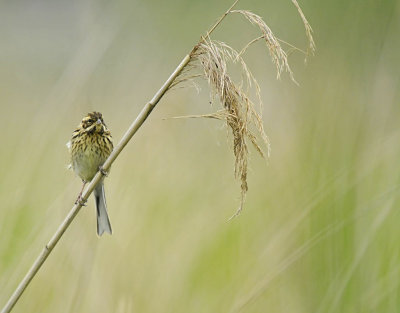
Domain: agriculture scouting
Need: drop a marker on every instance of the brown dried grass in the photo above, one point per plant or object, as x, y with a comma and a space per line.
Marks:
238, 111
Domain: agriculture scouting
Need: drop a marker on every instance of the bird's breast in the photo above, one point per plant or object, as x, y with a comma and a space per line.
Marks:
88, 153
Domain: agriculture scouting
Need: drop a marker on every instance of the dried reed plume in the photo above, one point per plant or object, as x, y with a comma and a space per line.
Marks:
307, 26
238, 111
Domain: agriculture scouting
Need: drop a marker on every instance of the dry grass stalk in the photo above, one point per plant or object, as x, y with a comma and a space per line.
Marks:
278, 55
308, 29
238, 111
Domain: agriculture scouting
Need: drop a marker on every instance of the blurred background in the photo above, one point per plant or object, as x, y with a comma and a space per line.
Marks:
320, 229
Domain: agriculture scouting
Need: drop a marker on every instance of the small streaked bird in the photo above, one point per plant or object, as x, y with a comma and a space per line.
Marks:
90, 146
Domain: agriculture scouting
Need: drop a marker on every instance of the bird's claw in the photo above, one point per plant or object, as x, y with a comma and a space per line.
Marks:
81, 201
103, 171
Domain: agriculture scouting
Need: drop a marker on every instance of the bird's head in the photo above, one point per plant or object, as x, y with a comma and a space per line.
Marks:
93, 123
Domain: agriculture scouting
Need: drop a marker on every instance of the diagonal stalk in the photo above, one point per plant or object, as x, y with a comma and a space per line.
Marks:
147, 109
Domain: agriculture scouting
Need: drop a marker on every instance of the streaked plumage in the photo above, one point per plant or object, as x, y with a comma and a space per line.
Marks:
90, 146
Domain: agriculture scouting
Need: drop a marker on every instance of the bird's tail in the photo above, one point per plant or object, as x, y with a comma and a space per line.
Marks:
103, 223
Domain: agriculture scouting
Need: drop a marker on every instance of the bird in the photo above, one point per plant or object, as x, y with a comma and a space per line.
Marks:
89, 147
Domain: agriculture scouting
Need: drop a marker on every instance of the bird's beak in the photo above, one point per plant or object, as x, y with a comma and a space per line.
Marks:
98, 121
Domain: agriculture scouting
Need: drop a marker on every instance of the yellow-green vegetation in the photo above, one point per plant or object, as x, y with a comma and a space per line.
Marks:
320, 230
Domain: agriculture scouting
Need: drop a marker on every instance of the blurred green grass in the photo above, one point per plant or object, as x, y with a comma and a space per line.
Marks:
320, 228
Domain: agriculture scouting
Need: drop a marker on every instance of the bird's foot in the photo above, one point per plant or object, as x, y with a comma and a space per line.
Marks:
103, 171
81, 201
